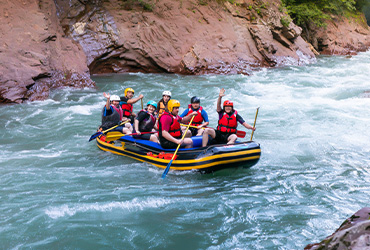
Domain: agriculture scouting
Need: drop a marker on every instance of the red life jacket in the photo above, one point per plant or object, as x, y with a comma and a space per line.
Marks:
127, 109
228, 123
175, 128
119, 110
198, 119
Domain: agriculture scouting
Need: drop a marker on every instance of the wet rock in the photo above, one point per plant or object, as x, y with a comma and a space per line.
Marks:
354, 233
56, 38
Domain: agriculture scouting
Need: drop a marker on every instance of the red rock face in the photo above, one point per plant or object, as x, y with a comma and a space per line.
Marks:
34, 53
50, 44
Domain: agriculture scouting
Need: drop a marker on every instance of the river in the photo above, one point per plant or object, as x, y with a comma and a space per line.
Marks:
59, 191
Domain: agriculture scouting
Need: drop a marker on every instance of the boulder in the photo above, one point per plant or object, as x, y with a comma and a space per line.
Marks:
354, 233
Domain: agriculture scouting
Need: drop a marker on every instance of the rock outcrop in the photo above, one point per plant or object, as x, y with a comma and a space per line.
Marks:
48, 44
341, 36
35, 55
183, 36
354, 233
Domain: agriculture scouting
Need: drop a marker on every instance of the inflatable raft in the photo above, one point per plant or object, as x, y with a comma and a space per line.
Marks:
204, 159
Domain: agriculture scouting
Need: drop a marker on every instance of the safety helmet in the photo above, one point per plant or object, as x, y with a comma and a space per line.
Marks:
228, 103
167, 93
173, 104
129, 90
195, 99
115, 98
153, 103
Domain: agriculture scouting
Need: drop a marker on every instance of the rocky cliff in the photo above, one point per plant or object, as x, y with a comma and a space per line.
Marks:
48, 44
352, 234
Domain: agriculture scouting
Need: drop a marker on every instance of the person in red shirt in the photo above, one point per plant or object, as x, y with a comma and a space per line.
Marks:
227, 123
169, 128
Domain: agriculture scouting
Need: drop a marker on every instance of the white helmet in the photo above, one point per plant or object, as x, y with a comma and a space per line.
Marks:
115, 98
167, 93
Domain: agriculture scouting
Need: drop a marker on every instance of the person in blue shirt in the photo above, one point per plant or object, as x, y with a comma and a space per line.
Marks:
200, 120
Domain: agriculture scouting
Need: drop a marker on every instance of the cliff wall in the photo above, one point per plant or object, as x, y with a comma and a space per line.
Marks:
49, 44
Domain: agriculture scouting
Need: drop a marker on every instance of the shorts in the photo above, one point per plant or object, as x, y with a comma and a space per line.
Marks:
194, 131
221, 137
167, 144
142, 137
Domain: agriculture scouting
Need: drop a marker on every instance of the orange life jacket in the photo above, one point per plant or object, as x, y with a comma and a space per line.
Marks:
161, 108
228, 123
175, 128
198, 119
127, 109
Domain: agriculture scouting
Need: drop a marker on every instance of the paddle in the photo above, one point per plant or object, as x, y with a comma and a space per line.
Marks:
115, 135
178, 146
255, 119
239, 133
109, 129
142, 105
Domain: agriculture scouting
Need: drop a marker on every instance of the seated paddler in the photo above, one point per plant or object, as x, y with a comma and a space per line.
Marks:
126, 103
162, 104
169, 128
145, 123
228, 119
200, 120
112, 114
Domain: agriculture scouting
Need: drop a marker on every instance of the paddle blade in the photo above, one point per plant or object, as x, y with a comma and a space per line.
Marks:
167, 169
112, 136
95, 135
241, 133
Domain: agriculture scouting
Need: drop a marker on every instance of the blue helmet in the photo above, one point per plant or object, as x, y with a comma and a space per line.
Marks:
153, 103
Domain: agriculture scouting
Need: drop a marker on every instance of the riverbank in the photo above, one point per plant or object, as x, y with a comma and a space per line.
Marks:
51, 44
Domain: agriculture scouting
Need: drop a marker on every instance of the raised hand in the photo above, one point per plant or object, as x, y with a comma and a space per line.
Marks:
106, 95
222, 92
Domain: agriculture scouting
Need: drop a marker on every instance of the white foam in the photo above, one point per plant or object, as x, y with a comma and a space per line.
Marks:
133, 205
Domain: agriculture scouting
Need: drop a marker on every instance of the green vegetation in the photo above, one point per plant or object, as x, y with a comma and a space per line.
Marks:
305, 12
130, 4
285, 21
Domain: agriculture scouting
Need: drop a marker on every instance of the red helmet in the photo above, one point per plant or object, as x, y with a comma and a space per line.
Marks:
228, 103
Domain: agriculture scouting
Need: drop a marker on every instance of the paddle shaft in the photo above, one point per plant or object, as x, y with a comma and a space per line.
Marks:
239, 133
115, 137
254, 124
105, 131
178, 146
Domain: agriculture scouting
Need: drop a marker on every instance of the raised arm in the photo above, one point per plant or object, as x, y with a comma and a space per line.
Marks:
107, 105
220, 95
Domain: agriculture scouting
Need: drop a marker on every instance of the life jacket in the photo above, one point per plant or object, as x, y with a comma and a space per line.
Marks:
161, 108
127, 109
228, 123
198, 119
119, 110
110, 120
175, 127
148, 123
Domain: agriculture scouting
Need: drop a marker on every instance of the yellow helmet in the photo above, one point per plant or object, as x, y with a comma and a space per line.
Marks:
129, 90
173, 104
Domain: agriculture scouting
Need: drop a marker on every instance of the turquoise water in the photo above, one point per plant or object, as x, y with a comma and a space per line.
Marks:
57, 190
